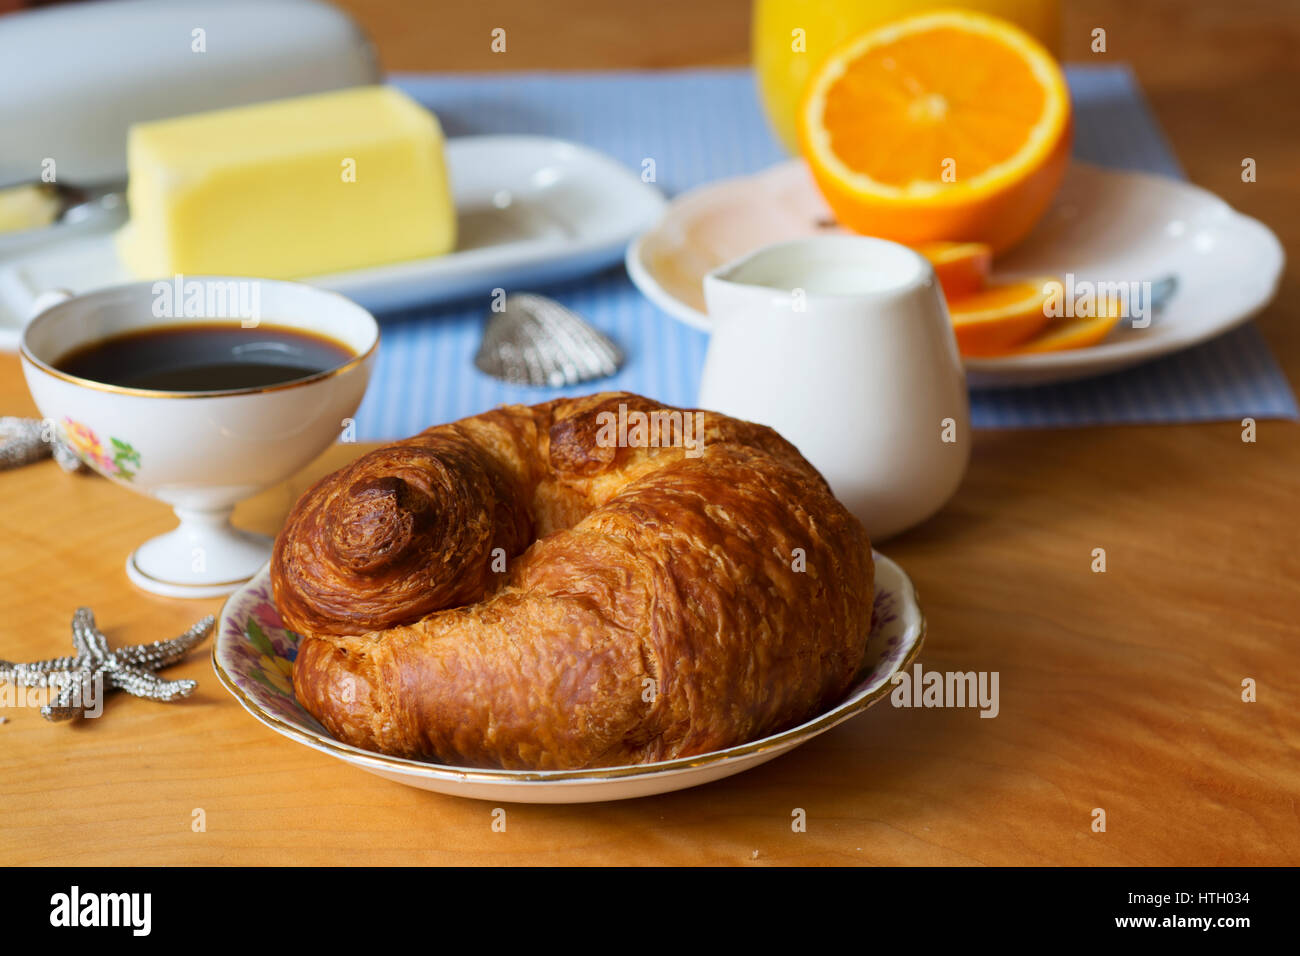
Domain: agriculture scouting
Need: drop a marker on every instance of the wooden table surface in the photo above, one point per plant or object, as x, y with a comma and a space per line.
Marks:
1120, 691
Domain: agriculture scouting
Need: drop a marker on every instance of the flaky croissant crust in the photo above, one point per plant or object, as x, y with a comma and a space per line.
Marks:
517, 590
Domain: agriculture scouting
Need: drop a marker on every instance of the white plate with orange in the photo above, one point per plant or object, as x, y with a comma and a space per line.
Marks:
953, 125
1105, 226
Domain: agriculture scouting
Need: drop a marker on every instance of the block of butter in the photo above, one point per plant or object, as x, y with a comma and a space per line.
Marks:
288, 188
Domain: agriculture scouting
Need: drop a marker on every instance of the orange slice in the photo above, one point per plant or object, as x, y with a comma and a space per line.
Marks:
961, 267
1062, 334
947, 125
997, 318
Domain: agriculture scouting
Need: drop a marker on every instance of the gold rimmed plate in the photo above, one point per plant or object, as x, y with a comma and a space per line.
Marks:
253, 656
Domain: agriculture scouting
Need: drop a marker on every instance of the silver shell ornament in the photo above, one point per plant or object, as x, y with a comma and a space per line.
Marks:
534, 340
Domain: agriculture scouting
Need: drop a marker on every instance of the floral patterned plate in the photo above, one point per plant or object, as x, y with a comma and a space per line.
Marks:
253, 657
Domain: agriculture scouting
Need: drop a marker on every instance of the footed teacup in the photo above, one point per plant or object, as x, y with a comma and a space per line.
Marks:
199, 447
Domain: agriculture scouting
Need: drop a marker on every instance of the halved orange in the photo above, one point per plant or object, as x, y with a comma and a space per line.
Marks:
961, 267
1001, 316
949, 125
1061, 334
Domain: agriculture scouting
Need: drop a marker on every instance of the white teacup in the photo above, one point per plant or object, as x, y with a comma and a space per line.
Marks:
843, 344
201, 452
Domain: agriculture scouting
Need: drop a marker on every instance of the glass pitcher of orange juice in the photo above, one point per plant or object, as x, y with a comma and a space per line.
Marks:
791, 38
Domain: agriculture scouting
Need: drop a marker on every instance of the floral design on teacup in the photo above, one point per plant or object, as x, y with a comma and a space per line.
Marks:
86, 444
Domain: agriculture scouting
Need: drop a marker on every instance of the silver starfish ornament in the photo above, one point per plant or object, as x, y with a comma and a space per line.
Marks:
128, 668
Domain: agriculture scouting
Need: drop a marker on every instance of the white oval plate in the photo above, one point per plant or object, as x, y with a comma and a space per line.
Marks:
253, 655
1105, 225
530, 210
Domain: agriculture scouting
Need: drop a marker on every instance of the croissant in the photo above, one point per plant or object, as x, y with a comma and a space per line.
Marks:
583, 583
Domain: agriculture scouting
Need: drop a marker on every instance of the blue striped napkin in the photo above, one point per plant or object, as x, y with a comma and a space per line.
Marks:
702, 125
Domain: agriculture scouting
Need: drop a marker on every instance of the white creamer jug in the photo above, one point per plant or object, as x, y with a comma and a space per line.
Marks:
843, 345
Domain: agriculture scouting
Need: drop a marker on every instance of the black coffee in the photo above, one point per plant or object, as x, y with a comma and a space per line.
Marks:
205, 357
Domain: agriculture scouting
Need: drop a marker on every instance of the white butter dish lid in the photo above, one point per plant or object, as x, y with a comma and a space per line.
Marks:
74, 78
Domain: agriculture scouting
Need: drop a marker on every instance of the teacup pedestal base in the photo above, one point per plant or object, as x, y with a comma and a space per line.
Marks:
205, 557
